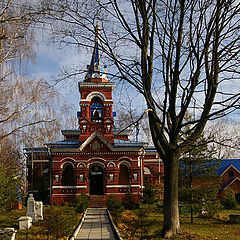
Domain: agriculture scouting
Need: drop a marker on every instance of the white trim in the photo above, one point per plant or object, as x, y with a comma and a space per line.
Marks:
96, 158
100, 137
66, 163
94, 84
66, 194
34, 161
125, 158
67, 158
95, 94
84, 165
68, 187
146, 171
126, 163
114, 165
133, 193
152, 160
122, 186
89, 165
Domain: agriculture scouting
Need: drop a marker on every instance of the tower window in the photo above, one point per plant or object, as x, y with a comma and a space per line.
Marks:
96, 109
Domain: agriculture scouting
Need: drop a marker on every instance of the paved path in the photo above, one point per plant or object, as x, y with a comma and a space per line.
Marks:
96, 225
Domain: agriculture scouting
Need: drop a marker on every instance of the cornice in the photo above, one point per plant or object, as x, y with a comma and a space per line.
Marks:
95, 85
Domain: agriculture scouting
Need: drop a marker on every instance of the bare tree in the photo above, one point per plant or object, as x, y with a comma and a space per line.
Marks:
225, 137
184, 54
23, 102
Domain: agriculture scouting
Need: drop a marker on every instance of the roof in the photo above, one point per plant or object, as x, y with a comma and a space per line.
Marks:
118, 131
29, 150
65, 143
150, 149
226, 163
71, 132
128, 143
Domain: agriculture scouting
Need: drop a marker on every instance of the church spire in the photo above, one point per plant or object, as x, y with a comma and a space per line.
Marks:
96, 69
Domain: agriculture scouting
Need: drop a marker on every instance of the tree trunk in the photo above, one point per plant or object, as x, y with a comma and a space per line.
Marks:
171, 224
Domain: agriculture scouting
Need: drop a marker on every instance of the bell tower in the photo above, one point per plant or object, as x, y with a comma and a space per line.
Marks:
96, 98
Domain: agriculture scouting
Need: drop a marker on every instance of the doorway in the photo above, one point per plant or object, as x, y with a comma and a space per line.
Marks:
96, 180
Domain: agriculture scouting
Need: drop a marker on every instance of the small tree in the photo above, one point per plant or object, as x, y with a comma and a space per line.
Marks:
59, 221
115, 207
197, 176
149, 195
80, 204
11, 173
228, 201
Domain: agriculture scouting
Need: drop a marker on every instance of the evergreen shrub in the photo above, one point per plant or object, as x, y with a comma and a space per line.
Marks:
115, 206
81, 203
59, 222
149, 195
228, 201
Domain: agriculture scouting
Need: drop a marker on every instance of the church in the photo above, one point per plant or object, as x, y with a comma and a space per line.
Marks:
96, 158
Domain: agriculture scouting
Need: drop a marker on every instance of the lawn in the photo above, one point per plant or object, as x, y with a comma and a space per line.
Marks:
209, 229
202, 228
59, 223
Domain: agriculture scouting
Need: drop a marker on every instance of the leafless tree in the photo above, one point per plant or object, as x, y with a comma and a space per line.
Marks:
23, 102
184, 54
225, 137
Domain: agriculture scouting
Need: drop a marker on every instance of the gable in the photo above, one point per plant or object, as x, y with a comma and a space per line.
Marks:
229, 168
95, 142
84, 121
231, 182
225, 163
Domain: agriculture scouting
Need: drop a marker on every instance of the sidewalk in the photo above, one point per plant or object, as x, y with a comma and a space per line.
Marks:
96, 225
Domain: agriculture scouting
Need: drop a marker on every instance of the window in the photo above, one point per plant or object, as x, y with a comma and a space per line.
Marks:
68, 176
230, 174
96, 109
123, 175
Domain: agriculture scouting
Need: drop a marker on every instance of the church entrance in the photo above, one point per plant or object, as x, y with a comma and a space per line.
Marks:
96, 180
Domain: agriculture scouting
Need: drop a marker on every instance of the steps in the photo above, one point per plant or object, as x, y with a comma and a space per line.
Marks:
97, 201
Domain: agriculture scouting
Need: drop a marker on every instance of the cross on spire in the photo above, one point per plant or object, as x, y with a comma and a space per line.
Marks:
96, 67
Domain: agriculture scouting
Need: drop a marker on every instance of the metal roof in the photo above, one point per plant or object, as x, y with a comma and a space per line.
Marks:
128, 143
225, 163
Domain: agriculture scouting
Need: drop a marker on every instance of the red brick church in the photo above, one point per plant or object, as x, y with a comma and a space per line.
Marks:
96, 158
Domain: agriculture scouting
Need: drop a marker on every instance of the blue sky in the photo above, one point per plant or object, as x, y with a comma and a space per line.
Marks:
49, 62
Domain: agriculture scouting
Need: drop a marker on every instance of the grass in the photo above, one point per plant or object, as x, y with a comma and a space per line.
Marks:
210, 229
38, 231
202, 228
10, 218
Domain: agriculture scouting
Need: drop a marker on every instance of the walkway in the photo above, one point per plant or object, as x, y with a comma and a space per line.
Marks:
96, 225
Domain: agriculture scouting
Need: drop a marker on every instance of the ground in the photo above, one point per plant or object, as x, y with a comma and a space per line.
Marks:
202, 228
209, 229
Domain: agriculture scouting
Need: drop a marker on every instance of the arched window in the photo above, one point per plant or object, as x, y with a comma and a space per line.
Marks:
123, 175
230, 174
68, 176
96, 109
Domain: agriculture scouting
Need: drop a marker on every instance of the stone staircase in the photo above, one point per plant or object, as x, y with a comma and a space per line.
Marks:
97, 201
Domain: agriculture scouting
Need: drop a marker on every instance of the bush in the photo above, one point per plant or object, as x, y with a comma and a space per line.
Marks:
129, 225
159, 207
228, 201
136, 225
115, 207
149, 195
80, 204
59, 222
210, 209
130, 205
